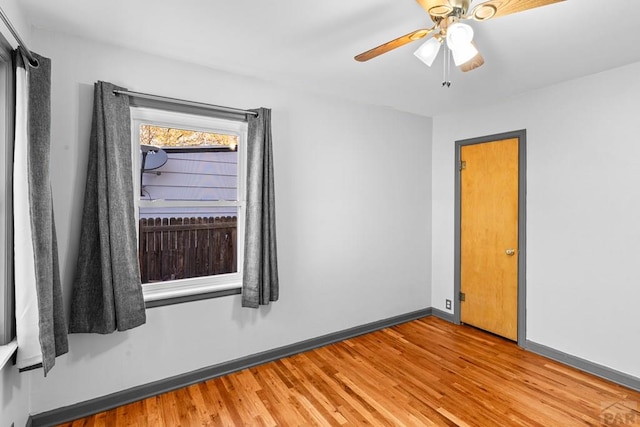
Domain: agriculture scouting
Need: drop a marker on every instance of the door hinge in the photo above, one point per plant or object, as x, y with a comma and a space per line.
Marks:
463, 164
462, 296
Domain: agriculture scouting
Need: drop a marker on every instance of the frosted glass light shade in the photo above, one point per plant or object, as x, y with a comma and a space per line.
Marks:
428, 51
459, 34
459, 37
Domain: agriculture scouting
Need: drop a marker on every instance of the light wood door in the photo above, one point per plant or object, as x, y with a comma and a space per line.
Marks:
489, 236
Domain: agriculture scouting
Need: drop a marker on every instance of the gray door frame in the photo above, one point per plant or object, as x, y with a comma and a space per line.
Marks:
521, 135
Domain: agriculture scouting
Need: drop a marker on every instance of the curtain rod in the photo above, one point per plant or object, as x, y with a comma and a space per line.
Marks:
184, 102
32, 59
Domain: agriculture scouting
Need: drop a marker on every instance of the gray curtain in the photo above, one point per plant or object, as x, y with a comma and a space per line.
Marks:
260, 276
107, 291
37, 270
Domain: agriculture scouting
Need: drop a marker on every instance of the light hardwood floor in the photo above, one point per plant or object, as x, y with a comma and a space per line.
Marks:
422, 373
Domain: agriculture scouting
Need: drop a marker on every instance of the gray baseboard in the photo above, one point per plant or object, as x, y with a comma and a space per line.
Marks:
104, 403
584, 365
449, 317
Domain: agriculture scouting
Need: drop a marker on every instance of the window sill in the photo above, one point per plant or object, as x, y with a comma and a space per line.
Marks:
193, 289
192, 297
7, 351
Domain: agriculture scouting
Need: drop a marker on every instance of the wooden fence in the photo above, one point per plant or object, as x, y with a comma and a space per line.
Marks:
179, 248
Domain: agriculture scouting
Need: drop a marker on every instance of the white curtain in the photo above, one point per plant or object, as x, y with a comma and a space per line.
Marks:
27, 317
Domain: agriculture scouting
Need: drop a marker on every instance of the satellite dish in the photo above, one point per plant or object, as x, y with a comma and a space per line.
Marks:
145, 148
153, 157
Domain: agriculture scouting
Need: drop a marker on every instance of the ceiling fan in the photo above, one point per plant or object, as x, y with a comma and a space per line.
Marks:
450, 31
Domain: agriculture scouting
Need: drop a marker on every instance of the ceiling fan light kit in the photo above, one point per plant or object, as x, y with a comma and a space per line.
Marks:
446, 16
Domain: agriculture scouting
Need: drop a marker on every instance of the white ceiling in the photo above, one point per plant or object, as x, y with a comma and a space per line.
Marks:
311, 44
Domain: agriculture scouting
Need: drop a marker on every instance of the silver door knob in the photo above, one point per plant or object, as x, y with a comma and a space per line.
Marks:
510, 252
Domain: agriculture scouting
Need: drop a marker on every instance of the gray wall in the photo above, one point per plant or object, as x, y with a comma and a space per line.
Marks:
353, 186
14, 396
583, 204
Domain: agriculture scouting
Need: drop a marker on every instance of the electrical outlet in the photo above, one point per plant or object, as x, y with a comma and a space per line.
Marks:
447, 304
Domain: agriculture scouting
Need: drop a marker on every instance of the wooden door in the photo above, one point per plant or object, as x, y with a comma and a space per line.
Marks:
489, 236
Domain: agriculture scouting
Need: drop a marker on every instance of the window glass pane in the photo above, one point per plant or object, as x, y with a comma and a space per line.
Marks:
178, 240
179, 164
180, 245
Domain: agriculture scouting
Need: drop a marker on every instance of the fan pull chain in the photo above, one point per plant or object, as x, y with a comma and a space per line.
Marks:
444, 66
447, 67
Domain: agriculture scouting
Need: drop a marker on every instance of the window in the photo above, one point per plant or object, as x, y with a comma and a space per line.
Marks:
189, 189
7, 328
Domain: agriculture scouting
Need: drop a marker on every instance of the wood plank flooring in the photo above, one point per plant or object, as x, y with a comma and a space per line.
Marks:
423, 373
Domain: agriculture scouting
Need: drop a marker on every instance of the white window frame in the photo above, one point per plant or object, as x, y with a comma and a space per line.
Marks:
7, 106
8, 341
197, 285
